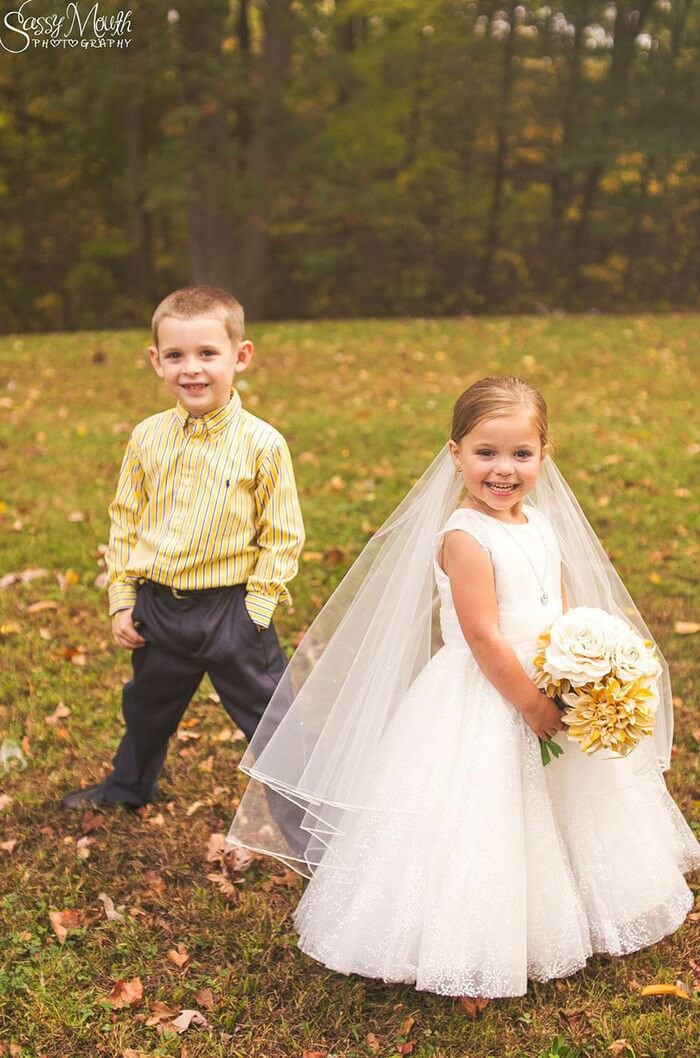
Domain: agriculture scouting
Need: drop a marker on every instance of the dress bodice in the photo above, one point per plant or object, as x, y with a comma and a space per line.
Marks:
525, 560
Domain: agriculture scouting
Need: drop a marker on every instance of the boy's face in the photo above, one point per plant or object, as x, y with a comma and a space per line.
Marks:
198, 361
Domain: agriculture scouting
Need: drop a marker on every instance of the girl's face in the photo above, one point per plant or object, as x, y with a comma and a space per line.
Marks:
499, 461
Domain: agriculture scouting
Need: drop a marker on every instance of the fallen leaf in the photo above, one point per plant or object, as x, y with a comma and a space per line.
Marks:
406, 1048
10, 628
620, 1047
686, 628
473, 1006
60, 713
314, 1054
694, 916
238, 859
126, 993
160, 1012
41, 607
205, 998
8, 846
178, 956
110, 910
373, 1043
63, 922
91, 821
27, 575
407, 1025
216, 846
76, 516
188, 736
289, 877
5, 801
157, 820
188, 1018
227, 889
154, 883
678, 991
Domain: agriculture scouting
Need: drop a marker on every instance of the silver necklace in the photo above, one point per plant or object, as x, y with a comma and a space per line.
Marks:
544, 597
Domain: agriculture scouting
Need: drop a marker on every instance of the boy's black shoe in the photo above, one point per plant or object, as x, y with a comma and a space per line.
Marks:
93, 796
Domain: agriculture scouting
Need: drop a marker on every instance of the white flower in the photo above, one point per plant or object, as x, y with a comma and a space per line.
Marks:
578, 648
632, 658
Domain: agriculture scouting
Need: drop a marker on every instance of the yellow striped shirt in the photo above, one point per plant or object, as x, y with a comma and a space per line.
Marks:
205, 503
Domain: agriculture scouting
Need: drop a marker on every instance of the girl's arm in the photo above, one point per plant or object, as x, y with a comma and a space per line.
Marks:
473, 586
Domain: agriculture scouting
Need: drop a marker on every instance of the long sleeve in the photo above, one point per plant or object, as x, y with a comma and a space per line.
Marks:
280, 535
124, 513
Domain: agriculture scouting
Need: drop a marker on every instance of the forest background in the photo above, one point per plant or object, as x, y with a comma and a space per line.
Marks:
356, 157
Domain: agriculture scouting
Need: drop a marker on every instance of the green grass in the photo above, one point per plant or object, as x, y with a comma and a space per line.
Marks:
369, 403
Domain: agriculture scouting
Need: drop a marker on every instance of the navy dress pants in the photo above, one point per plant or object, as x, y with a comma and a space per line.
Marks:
202, 632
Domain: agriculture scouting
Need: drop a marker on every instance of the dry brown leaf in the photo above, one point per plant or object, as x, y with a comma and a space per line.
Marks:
216, 846
178, 956
694, 916
188, 736
160, 1012
620, 1049
91, 821
126, 993
62, 922
154, 882
473, 1005
373, 1043
158, 820
8, 846
60, 713
5, 801
188, 1018
314, 1054
41, 607
238, 859
205, 998
288, 877
407, 1025
110, 910
26, 575
686, 628
129, 1052
406, 1048
223, 884
195, 807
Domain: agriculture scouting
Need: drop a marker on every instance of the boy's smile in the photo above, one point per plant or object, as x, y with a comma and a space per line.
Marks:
198, 361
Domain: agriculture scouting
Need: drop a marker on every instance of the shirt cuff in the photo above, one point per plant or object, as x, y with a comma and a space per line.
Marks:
260, 607
122, 596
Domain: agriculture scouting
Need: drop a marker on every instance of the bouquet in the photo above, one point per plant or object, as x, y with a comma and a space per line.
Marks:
603, 675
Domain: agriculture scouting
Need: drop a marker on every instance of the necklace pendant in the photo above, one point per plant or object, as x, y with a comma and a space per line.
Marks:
544, 598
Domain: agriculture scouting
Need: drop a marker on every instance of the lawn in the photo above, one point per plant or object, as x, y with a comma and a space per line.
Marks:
365, 405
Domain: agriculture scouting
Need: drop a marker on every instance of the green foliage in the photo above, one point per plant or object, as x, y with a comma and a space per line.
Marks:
355, 158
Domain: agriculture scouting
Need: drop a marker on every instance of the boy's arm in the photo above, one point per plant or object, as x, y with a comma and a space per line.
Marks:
124, 512
280, 535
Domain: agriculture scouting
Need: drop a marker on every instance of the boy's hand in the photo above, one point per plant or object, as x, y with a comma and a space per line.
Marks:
543, 716
124, 630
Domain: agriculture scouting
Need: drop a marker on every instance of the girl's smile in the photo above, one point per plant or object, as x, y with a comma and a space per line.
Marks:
499, 461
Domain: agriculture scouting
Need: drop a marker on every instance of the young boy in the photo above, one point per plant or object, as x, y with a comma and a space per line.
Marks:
206, 532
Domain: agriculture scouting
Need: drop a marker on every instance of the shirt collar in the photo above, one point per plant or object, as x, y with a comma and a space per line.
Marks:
215, 420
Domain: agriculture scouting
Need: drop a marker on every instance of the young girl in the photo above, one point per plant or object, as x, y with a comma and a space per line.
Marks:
442, 852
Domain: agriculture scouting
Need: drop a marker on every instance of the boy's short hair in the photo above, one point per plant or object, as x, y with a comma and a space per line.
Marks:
187, 302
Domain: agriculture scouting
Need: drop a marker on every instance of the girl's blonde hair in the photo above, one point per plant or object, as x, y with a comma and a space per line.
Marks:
495, 396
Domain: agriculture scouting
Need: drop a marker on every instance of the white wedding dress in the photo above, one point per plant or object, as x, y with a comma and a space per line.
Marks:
479, 868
